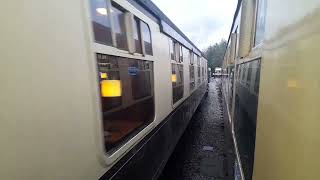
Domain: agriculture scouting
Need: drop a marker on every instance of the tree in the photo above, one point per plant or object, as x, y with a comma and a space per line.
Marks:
215, 54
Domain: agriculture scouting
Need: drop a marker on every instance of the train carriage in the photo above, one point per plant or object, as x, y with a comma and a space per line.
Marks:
271, 91
93, 89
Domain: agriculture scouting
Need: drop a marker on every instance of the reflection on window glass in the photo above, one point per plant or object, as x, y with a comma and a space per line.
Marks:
100, 22
137, 35
118, 15
141, 82
260, 22
177, 82
146, 38
127, 103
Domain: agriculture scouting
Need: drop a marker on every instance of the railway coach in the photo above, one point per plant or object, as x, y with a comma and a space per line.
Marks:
272, 89
93, 89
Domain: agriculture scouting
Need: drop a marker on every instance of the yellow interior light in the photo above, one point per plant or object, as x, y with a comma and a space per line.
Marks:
103, 75
174, 78
110, 88
292, 84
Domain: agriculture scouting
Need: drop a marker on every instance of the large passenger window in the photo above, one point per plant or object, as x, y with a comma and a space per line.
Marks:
146, 38
260, 21
100, 22
177, 82
127, 100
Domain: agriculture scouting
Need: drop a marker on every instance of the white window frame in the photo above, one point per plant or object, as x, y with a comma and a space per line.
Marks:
107, 158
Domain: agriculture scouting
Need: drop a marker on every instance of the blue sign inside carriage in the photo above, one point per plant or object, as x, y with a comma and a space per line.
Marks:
133, 71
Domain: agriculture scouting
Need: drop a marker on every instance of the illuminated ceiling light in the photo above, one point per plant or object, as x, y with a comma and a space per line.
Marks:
174, 78
102, 11
110, 88
103, 75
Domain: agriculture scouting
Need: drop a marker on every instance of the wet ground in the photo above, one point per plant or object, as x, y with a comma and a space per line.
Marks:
203, 149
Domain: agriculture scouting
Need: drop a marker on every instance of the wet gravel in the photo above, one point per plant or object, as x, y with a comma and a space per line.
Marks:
201, 152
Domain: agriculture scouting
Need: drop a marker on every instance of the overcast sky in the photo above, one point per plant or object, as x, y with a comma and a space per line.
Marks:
205, 22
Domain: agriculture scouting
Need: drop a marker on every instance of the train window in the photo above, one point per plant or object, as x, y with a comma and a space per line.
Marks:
177, 82
172, 49
127, 101
249, 65
239, 73
243, 72
137, 35
181, 54
191, 71
199, 70
206, 69
191, 57
118, 15
198, 60
202, 70
100, 22
260, 21
257, 79
146, 35
199, 79
177, 51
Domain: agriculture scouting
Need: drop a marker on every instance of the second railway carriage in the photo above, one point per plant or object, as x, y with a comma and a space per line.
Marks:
272, 89
93, 89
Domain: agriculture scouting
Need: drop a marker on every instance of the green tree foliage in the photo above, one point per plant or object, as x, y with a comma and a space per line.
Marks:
215, 54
